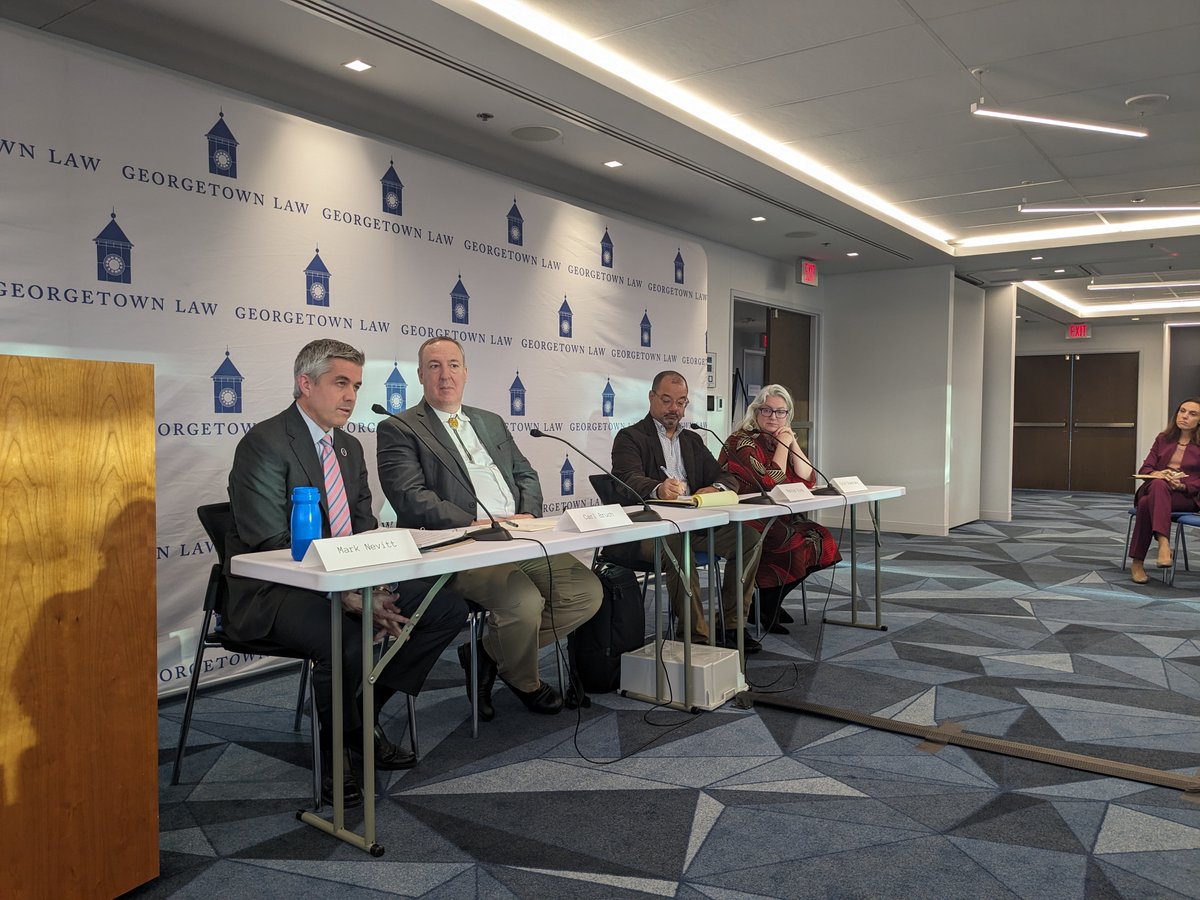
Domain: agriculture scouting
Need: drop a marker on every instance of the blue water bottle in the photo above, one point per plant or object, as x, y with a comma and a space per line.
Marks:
306, 519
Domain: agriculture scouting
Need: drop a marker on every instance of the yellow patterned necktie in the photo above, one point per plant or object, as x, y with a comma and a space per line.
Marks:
453, 423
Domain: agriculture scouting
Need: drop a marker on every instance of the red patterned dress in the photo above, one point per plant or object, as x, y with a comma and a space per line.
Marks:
793, 547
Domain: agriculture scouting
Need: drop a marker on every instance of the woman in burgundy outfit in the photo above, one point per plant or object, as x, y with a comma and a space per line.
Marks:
764, 451
1172, 485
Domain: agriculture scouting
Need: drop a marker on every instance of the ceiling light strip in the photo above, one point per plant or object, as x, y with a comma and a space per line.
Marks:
979, 109
1025, 208
346, 19
1041, 289
1143, 285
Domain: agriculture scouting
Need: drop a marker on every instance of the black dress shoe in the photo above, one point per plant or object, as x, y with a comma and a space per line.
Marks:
351, 792
390, 757
777, 629
544, 699
785, 618
749, 644
486, 679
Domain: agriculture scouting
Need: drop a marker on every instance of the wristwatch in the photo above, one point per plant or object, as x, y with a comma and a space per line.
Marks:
719, 486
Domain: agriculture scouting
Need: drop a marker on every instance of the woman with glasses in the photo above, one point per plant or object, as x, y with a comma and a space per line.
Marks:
1170, 483
764, 451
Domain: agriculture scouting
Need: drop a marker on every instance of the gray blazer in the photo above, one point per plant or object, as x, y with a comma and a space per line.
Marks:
273, 457
426, 479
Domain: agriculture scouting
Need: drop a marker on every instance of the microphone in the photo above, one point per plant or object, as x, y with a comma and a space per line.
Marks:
762, 497
493, 532
829, 490
645, 514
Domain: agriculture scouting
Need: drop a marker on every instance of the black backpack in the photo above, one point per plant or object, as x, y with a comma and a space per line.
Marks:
595, 647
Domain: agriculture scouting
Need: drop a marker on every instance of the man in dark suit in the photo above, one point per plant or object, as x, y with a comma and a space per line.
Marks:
445, 465
661, 460
304, 446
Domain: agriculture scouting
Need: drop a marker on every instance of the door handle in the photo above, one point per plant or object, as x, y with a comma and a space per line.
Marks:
1040, 424
1105, 424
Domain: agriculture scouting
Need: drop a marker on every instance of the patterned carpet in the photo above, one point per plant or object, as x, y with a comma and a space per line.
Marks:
1026, 630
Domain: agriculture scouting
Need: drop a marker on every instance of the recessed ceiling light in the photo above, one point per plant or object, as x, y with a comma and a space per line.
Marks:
1136, 319
758, 218
1018, 317
1036, 258
357, 65
614, 164
852, 253
1059, 271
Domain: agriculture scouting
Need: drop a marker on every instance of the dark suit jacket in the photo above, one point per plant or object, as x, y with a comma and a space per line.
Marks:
424, 474
275, 456
637, 459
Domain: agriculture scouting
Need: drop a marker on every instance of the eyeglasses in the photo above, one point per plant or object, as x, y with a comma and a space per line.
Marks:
777, 413
665, 400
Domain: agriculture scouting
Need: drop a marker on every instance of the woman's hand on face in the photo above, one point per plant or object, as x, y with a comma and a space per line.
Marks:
785, 436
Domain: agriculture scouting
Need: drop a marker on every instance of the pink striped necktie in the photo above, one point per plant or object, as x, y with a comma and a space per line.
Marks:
335, 490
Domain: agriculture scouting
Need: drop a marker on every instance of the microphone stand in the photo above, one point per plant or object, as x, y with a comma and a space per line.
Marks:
829, 490
645, 514
492, 532
763, 497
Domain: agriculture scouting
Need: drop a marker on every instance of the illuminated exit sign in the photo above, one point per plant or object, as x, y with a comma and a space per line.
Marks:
1078, 330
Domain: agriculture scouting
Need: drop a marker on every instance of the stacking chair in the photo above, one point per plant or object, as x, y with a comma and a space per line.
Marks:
1179, 542
217, 520
1182, 521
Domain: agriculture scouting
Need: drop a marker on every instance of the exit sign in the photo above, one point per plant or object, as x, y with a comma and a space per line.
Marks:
1078, 330
806, 272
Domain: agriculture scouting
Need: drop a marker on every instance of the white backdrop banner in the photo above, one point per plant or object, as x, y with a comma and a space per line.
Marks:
152, 219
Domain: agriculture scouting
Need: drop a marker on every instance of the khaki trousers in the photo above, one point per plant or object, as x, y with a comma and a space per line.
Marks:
529, 607
725, 544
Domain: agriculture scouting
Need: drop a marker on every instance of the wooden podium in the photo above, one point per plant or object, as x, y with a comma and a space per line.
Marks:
78, 710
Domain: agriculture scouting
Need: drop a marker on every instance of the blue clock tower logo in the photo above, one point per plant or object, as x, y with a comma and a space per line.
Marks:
516, 397
606, 250
222, 149
316, 282
113, 258
393, 191
679, 266
516, 225
645, 329
397, 391
227, 387
460, 303
564, 319
608, 399
566, 477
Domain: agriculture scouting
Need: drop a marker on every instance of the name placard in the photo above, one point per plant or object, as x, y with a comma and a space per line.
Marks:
848, 484
370, 549
789, 493
593, 518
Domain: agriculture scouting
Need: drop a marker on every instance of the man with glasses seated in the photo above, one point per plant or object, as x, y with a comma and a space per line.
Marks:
662, 460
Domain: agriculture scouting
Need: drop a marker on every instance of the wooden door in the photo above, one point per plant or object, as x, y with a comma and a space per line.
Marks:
1041, 417
789, 362
1104, 422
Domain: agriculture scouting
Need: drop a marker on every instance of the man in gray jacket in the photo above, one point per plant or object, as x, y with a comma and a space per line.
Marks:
445, 465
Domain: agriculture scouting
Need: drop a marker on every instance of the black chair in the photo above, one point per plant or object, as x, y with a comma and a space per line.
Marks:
217, 520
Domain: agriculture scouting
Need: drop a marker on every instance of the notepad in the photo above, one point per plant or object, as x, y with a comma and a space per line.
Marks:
712, 498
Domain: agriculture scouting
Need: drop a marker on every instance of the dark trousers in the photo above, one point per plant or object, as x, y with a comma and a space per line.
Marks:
1155, 501
303, 625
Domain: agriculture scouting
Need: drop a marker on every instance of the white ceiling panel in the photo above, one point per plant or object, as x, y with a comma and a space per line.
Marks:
986, 36
898, 103
683, 46
899, 54
948, 159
